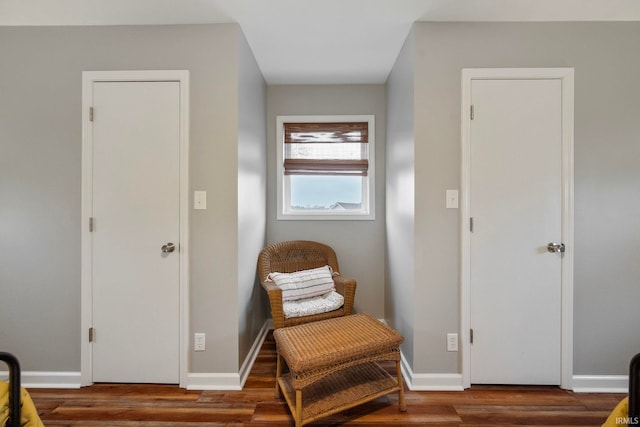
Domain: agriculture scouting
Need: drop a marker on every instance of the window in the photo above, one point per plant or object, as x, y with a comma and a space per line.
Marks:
326, 167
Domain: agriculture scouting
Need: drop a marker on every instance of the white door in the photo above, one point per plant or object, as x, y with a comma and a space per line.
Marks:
516, 209
136, 195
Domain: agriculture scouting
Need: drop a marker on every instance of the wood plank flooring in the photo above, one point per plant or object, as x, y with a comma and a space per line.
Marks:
120, 405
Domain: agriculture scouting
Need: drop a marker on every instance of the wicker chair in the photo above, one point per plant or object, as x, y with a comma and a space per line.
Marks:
296, 255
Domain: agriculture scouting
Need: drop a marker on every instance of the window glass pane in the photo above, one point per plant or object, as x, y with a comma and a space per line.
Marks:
326, 192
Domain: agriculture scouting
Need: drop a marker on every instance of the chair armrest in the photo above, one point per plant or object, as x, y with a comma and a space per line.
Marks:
347, 288
275, 301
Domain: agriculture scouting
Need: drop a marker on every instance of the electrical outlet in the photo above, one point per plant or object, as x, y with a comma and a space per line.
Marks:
452, 342
199, 340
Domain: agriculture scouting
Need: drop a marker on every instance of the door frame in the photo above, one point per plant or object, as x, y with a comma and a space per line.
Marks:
86, 284
566, 77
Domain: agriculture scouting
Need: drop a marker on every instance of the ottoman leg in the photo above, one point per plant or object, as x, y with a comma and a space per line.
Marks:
298, 415
402, 406
278, 373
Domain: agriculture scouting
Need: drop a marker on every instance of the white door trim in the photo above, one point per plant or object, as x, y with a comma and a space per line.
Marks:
565, 75
88, 78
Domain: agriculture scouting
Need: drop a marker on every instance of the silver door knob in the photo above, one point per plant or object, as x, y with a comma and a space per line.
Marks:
169, 247
555, 247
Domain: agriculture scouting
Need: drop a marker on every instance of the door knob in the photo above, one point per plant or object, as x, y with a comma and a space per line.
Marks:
555, 247
169, 247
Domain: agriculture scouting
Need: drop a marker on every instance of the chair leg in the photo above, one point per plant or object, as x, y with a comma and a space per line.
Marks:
401, 404
634, 387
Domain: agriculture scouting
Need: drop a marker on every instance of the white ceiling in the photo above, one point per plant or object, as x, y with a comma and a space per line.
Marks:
314, 41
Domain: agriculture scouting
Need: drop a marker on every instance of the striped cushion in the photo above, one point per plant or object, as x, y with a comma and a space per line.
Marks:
305, 283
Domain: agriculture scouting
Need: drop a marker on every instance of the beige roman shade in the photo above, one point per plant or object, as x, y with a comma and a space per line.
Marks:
339, 148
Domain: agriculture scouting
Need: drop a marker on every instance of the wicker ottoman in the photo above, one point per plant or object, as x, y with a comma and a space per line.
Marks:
332, 365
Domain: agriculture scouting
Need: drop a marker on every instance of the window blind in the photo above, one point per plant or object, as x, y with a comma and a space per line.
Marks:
326, 148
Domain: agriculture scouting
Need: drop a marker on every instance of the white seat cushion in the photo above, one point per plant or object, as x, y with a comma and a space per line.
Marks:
316, 305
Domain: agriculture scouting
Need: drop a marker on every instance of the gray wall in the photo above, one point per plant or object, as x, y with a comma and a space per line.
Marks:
40, 141
359, 244
607, 177
400, 227
252, 193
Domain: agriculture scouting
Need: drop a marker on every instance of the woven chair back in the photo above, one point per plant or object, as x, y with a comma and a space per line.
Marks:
295, 255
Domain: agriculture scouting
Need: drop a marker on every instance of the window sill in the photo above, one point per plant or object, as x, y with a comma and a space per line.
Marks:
323, 216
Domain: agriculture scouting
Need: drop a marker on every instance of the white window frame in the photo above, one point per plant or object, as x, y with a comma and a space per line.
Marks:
283, 184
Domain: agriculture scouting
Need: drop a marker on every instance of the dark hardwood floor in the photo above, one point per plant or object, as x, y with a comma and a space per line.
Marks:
164, 405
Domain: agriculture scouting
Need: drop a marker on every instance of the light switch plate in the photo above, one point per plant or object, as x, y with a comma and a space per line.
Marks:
199, 200
452, 199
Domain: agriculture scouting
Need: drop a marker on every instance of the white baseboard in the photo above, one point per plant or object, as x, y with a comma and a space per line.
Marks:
213, 381
230, 381
430, 382
245, 369
235, 381
601, 383
196, 381
42, 379
453, 382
